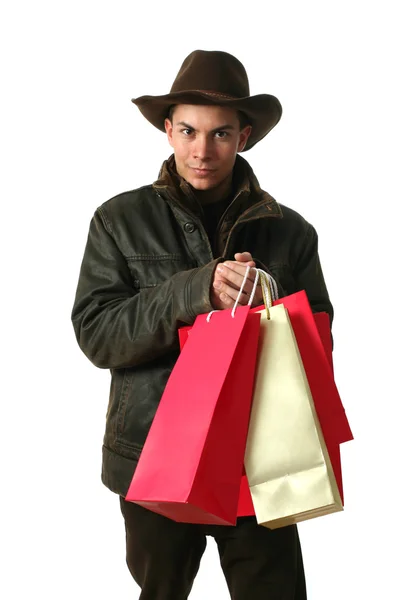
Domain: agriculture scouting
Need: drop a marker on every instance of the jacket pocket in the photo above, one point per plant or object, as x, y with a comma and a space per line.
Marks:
136, 402
150, 270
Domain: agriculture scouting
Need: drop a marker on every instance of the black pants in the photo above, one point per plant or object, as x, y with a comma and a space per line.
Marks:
164, 556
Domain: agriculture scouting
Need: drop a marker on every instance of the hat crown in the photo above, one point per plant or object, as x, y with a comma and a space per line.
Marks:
212, 71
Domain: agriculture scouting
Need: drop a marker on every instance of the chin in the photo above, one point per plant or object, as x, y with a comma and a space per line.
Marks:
202, 185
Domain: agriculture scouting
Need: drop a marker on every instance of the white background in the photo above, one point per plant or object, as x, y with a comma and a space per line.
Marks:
71, 139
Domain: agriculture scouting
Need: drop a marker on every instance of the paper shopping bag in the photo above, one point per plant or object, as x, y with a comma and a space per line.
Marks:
191, 464
288, 468
319, 369
314, 341
246, 507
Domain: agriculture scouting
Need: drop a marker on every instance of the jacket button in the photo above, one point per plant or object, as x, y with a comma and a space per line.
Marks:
189, 227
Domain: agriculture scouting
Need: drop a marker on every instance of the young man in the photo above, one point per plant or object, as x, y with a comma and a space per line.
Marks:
157, 257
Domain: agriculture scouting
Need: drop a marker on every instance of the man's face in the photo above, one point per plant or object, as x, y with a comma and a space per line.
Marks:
205, 140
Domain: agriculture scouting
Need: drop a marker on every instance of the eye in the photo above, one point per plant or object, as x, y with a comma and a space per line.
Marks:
221, 134
187, 132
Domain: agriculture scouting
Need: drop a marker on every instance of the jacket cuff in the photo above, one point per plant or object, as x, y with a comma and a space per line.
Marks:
197, 292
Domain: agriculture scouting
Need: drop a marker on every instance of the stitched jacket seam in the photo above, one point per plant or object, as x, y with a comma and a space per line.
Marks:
187, 293
154, 257
105, 220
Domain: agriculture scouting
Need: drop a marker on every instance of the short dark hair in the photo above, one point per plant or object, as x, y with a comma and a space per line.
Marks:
171, 112
243, 119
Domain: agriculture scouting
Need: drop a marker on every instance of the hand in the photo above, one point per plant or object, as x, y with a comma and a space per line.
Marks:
228, 278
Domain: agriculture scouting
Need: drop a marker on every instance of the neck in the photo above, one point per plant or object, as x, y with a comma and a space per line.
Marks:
216, 194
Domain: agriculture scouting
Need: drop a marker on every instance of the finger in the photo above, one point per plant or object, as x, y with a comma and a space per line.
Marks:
226, 300
258, 299
247, 292
234, 273
250, 263
229, 294
243, 257
238, 267
220, 301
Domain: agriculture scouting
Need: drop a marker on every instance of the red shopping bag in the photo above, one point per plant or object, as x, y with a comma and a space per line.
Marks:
191, 464
323, 325
324, 329
319, 371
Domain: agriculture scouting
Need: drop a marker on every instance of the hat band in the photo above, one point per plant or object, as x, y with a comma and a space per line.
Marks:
211, 93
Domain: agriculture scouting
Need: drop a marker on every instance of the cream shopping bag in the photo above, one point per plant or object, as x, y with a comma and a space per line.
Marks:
287, 463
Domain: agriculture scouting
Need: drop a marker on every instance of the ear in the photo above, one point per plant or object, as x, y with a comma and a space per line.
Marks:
243, 137
169, 130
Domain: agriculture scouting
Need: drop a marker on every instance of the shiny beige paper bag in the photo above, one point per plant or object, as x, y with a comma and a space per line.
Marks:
287, 464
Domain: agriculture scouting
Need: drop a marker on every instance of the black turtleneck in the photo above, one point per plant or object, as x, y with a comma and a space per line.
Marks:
212, 214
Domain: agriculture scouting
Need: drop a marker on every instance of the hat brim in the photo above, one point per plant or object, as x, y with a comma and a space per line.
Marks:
263, 110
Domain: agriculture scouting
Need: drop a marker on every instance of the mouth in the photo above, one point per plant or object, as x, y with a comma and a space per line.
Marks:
202, 172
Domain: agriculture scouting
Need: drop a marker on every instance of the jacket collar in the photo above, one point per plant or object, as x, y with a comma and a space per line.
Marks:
249, 201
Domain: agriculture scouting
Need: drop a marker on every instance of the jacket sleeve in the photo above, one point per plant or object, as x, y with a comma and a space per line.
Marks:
117, 325
309, 277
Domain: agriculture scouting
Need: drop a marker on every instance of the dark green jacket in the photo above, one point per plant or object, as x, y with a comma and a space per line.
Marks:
147, 270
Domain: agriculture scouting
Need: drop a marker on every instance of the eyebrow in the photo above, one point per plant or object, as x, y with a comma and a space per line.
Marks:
221, 128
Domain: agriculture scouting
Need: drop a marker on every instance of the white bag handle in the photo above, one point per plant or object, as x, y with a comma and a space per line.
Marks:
242, 288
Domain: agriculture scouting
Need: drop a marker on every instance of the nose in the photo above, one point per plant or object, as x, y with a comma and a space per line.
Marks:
202, 148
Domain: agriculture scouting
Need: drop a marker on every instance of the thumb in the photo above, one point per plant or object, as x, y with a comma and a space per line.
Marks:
243, 257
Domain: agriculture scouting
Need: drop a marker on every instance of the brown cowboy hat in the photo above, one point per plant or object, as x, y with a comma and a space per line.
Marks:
213, 77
